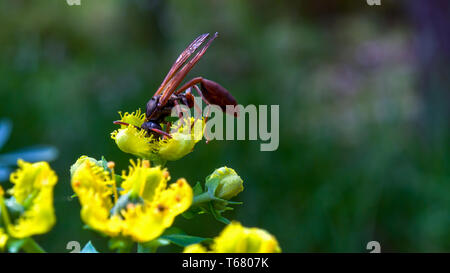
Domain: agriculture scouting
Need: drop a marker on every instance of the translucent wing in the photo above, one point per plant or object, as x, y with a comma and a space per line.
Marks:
181, 60
173, 83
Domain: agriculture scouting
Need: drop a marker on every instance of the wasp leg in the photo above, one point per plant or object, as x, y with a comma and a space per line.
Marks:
209, 109
161, 132
190, 83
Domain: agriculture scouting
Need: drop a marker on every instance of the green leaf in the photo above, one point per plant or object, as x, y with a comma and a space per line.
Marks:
89, 248
192, 212
211, 184
184, 240
197, 189
218, 215
104, 164
14, 245
173, 230
188, 214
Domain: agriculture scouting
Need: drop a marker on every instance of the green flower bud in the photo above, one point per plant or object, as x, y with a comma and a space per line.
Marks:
229, 183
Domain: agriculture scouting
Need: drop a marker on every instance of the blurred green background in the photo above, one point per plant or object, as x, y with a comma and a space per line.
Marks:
363, 95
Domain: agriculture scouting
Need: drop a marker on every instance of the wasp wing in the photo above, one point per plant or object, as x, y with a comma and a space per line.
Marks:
173, 83
181, 60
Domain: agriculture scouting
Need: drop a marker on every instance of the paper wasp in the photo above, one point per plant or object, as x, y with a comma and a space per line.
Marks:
168, 96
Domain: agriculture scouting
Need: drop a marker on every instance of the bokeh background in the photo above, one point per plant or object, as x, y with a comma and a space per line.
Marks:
363, 95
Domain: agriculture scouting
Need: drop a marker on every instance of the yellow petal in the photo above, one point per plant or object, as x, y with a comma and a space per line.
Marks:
145, 222
195, 248
30, 178
183, 140
38, 219
238, 239
142, 223
33, 189
145, 181
3, 239
94, 188
174, 201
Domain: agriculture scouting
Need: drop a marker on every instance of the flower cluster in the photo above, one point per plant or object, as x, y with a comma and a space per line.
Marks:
137, 205
141, 209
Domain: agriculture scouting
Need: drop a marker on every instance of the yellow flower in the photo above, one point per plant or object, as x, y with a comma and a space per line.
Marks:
3, 239
238, 239
144, 207
195, 248
135, 141
33, 193
183, 139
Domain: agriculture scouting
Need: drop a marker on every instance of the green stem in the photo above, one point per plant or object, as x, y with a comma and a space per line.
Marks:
201, 198
31, 246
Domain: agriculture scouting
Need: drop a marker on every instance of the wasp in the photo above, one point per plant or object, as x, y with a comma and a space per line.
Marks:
160, 106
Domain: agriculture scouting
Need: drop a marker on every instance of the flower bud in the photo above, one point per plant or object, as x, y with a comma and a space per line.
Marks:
229, 184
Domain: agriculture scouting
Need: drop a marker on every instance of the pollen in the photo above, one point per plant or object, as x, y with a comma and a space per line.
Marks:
146, 163
111, 165
130, 206
76, 183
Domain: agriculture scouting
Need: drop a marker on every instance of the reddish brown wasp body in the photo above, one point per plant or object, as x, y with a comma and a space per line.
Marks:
168, 96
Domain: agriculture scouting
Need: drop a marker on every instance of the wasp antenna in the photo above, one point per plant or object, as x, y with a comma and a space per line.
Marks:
124, 123
121, 122
161, 132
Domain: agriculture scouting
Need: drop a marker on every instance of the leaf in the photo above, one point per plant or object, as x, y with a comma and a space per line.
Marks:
14, 245
184, 240
173, 230
211, 184
5, 131
30, 154
89, 248
217, 215
188, 214
192, 212
197, 189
